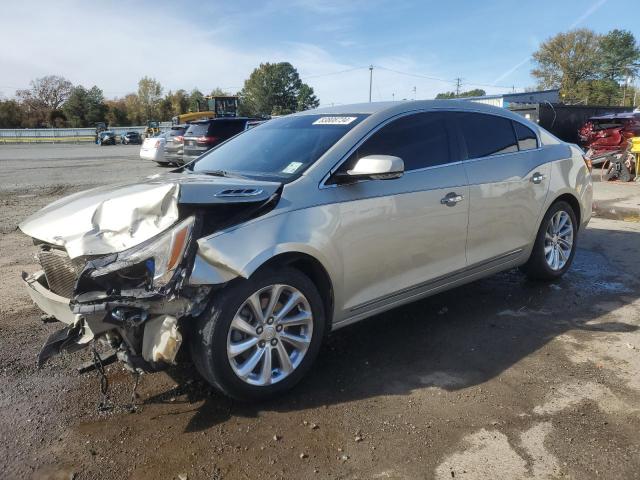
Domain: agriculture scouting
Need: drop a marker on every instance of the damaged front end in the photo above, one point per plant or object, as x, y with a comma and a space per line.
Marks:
132, 300
135, 300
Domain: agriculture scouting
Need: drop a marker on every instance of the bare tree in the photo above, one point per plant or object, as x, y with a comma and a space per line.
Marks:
46, 95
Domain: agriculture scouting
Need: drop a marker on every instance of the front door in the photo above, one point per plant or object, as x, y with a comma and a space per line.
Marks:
395, 236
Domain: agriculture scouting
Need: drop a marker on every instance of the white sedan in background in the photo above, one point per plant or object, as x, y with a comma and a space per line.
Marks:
153, 149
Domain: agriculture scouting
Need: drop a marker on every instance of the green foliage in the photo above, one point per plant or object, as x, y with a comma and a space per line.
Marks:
619, 53
196, 101
218, 92
587, 67
84, 107
149, 99
11, 114
117, 113
476, 92
275, 89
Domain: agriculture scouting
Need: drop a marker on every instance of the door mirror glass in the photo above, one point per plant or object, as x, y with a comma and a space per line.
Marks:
375, 167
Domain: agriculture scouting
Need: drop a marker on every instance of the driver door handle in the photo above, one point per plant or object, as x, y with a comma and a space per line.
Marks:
451, 199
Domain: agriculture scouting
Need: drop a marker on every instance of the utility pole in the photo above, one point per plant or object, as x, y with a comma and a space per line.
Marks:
370, 81
458, 85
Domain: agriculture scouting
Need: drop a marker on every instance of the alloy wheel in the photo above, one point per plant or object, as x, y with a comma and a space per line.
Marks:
270, 335
558, 240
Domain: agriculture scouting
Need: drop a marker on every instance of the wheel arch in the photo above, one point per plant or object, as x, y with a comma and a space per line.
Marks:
313, 269
571, 200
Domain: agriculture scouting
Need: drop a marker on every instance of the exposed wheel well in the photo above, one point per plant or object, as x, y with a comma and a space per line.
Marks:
571, 200
313, 269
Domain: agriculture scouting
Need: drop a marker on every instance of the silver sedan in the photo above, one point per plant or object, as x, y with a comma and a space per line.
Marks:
302, 225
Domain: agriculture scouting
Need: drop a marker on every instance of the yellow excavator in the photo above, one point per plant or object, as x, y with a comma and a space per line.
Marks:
212, 107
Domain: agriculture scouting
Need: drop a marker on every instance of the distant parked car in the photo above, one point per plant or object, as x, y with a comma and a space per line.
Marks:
174, 144
203, 135
131, 138
153, 149
107, 138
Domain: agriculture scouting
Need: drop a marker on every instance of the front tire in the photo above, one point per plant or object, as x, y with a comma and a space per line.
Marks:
555, 244
260, 336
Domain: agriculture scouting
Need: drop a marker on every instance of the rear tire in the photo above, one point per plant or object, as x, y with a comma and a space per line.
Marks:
231, 322
555, 244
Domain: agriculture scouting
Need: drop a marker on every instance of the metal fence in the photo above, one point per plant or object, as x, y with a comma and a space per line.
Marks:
61, 135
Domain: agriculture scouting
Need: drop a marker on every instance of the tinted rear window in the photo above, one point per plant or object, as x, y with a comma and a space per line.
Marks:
226, 128
176, 132
527, 140
198, 129
486, 135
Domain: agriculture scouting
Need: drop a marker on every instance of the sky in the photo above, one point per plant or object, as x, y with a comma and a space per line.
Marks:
418, 48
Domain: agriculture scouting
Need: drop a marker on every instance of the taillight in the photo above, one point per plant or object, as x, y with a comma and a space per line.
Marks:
206, 140
178, 139
587, 162
157, 145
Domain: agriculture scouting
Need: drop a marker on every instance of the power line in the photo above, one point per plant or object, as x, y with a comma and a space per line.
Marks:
428, 77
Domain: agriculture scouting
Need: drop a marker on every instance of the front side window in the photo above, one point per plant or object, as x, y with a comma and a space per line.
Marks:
486, 135
420, 140
527, 140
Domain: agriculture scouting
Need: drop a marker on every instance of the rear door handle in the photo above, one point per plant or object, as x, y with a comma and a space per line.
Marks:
451, 199
538, 177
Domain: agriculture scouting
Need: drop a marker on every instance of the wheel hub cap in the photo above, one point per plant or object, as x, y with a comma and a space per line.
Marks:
270, 335
558, 240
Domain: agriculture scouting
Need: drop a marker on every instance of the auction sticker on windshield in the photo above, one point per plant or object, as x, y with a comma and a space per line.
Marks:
334, 120
292, 167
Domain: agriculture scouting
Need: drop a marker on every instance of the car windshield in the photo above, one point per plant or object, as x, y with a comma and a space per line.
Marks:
281, 148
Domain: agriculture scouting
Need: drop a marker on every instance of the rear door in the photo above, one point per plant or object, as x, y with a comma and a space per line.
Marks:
397, 236
508, 185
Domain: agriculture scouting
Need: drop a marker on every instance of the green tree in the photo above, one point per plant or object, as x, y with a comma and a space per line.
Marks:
218, 92
619, 54
11, 114
149, 99
97, 109
196, 101
275, 89
116, 115
134, 109
85, 107
306, 98
75, 108
476, 92
566, 60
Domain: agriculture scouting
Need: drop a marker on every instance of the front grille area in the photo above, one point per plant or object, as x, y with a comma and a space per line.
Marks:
59, 270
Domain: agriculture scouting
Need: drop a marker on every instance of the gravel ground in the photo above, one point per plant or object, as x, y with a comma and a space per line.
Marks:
501, 379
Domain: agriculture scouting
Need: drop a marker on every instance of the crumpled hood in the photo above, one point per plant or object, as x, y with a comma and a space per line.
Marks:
113, 218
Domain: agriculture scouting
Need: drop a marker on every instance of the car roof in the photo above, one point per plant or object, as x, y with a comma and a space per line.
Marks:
389, 109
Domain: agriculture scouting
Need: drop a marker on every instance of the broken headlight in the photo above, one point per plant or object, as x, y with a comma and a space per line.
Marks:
159, 256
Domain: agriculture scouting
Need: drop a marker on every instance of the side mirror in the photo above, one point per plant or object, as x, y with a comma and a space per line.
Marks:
374, 167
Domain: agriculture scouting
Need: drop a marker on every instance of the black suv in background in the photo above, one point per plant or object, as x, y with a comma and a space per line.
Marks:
206, 134
174, 142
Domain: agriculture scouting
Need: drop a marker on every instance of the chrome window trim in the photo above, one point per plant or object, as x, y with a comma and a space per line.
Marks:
498, 155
